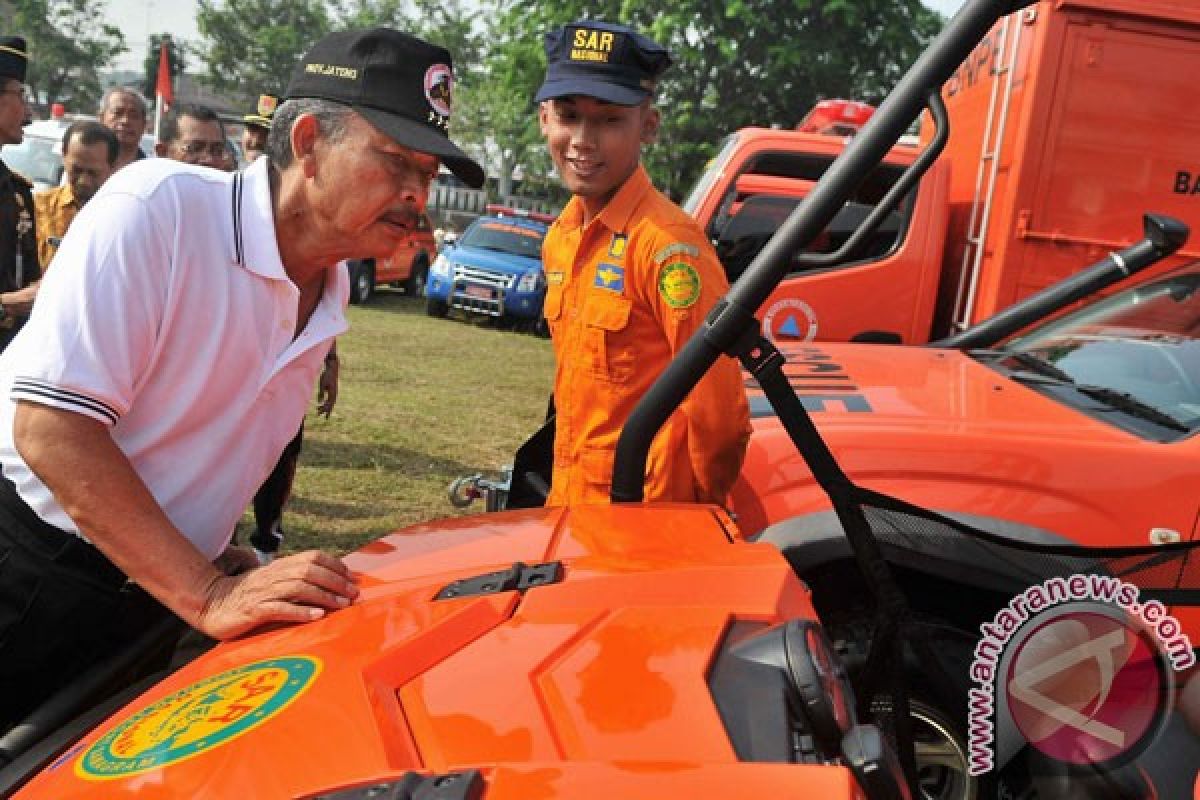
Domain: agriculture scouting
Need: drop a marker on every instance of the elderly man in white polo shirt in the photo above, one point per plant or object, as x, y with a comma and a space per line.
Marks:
172, 355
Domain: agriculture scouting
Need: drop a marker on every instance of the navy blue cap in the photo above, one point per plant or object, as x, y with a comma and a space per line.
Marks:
609, 62
14, 57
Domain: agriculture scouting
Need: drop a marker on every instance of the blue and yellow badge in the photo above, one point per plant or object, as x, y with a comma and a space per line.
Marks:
194, 720
616, 248
679, 284
610, 277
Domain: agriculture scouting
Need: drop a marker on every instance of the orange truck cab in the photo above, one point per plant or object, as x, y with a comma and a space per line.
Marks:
1065, 119
649, 650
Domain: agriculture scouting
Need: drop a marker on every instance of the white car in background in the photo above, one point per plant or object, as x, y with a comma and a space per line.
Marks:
39, 156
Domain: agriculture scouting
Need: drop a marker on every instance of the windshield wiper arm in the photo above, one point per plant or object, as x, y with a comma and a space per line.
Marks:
1123, 401
1113, 398
1039, 365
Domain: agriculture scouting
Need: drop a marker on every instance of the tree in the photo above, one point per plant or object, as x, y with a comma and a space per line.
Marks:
250, 46
176, 59
67, 49
741, 62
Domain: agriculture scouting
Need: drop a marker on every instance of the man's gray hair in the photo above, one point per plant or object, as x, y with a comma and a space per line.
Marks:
126, 90
332, 121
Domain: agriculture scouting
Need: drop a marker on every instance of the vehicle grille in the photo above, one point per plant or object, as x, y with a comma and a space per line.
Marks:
470, 286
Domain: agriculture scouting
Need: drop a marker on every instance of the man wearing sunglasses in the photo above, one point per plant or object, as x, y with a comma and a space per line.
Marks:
19, 271
194, 134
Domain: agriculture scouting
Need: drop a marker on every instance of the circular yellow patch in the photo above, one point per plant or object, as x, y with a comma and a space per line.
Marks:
679, 284
198, 718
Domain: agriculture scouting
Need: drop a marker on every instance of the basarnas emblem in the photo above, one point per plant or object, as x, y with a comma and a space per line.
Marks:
267, 105
439, 86
610, 277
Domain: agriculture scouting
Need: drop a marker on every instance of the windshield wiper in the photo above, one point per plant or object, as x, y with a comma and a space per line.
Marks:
1039, 365
1123, 401
1113, 398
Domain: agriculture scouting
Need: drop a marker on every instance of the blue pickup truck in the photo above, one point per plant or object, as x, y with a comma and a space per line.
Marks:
494, 269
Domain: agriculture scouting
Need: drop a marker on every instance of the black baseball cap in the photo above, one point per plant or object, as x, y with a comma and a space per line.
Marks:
610, 62
14, 58
399, 83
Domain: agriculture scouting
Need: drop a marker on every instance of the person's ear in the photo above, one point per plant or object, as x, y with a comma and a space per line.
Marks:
305, 135
650, 123
543, 115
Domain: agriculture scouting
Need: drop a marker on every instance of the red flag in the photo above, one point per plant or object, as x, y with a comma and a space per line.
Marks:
163, 95
162, 88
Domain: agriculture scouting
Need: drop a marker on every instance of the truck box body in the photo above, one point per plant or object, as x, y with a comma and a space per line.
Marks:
1067, 123
1088, 125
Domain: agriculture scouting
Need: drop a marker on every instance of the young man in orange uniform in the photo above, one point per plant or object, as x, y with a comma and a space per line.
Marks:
630, 278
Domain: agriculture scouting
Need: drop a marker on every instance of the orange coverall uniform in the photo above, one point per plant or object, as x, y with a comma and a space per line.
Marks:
624, 293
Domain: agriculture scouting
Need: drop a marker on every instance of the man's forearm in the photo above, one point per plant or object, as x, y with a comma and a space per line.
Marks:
77, 459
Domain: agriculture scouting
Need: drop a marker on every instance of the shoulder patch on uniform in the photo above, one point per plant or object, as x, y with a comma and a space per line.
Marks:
678, 248
679, 284
616, 248
554, 278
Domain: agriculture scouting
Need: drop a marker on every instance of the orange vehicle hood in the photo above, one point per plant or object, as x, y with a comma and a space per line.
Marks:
594, 686
849, 385
939, 429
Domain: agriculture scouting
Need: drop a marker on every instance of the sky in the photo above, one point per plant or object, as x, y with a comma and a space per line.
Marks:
137, 19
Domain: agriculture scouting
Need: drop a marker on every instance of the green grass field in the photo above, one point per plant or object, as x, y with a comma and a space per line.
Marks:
422, 401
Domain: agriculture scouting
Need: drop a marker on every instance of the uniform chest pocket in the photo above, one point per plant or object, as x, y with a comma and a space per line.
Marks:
609, 349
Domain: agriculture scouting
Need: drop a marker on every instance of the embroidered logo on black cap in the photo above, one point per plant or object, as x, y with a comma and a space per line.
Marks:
439, 85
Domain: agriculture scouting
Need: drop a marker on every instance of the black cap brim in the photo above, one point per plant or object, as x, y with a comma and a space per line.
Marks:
416, 136
601, 90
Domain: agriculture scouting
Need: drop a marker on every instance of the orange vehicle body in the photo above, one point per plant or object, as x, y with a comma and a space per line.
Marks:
407, 267
557, 692
938, 429
1066, 124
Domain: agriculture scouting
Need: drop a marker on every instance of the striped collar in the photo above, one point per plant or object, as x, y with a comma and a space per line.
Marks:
254, 243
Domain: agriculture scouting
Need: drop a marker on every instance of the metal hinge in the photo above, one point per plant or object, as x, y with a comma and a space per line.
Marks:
413, 786
518, 577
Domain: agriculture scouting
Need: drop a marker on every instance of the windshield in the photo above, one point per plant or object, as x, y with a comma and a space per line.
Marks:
36, 159
505, 238
710, 175
1142, 343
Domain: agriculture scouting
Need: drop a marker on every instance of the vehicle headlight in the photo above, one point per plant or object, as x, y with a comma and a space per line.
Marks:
530, 281
440, 268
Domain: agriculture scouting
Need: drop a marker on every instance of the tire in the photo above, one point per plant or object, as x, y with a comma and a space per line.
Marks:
436, 308
541, 328
939, 723
415, 285
362, 282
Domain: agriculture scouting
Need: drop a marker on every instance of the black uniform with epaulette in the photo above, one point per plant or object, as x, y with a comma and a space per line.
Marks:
18, 237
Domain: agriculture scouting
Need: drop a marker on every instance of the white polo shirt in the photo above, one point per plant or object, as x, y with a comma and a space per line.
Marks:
169, 317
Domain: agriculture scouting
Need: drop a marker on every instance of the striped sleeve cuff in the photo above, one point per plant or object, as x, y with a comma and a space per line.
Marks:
48, 394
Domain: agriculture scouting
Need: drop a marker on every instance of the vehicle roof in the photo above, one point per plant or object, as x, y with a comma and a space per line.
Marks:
509, 219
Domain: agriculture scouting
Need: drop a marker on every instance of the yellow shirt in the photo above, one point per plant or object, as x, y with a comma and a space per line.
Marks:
55, 208
624, 294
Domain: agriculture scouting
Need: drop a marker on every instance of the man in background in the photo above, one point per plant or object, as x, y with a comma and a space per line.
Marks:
19, 271
89, 157
257, 126
194, 134
123, 111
